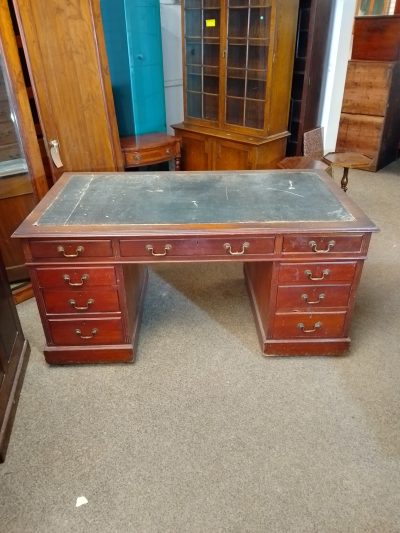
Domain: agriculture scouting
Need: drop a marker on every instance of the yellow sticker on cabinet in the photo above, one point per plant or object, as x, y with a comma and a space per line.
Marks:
210, 23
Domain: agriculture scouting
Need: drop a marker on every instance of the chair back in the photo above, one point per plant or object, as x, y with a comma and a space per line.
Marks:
313, 143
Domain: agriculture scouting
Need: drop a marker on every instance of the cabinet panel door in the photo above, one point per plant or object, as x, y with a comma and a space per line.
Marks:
195, 151
231, 156
64, 46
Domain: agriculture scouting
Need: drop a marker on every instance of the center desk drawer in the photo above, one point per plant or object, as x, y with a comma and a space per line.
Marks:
320, 245
316, 272
78, 332
101, 300
76, 277
64, 249
221, 246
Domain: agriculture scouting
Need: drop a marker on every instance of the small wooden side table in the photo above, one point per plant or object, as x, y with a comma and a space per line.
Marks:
150, 149
347, 160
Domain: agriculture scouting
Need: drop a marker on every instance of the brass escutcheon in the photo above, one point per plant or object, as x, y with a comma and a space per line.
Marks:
67, 279
228, 248
312, 302
325, 273
78, 250
72, 303
93, 333
317, 325
150, 249
313, 246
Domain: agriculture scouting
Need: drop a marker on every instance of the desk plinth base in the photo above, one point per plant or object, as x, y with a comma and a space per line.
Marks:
290, 347
71, 355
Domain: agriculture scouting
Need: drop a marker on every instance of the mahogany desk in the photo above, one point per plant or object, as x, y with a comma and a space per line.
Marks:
88, 242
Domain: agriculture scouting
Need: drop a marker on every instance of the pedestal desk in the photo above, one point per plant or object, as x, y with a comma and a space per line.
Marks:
87, 244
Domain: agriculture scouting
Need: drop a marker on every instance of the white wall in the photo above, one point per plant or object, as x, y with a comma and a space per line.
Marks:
170, 12
340, 52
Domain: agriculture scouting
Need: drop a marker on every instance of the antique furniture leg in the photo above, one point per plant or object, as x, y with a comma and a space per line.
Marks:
345, 179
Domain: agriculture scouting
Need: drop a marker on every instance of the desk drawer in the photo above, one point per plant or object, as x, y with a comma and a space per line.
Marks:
158, 248
233, 246
316, 272
78, 332
312, 296
81, 301
70, 250
325, 245
75, 278
144, 157
308, 325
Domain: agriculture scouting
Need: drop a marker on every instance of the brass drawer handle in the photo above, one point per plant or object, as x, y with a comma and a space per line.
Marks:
136, 156
78, 250
325, 273
72, 303
317, 325
93, 333
312, 302
228, 248
67, 279
150, 249
313, 246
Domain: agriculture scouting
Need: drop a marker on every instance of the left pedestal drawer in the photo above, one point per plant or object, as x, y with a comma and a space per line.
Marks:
72, 332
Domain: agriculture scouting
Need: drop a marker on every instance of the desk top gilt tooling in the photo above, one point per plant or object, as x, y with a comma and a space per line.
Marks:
88, 243
116, 203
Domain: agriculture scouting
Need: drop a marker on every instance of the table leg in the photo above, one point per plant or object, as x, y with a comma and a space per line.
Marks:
345, 179
178, 162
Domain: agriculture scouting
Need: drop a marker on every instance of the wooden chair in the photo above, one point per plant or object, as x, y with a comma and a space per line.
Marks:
315, 158
313, 150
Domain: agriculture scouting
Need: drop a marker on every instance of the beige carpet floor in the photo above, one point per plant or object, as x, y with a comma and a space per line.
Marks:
202, 433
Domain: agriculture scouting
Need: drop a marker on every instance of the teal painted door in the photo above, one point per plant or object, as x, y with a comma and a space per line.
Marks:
132, 32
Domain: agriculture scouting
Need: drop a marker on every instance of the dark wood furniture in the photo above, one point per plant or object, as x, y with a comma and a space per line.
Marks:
22, 177
376, 38
238, 62
14, 355
150, 149
370, 117
64, 47
87, 245
301, 163
310, 64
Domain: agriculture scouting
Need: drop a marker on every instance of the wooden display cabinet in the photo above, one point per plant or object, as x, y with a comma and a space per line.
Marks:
238, 60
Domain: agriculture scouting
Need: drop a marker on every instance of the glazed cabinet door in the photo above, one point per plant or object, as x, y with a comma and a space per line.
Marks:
64, 46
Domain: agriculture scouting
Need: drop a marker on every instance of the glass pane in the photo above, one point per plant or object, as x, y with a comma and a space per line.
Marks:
235, 111
255, 89
235, 86
211, 83
257, 57
194, 105
237, 23
193, 53
193, 4
193, 79
238, 3
237, 55
259, 23
193, 23
211, 54
254, 114
210, 107
211, 23
212, 3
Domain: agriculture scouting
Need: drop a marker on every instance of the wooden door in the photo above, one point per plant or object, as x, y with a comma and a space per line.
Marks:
64, 46
231, 156
14, 354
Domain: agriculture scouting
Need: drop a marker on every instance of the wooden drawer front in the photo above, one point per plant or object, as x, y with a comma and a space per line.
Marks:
367, 88
89, 331
77, 301
144, 157
76, 278
317, 245
70, 250
158, 248
234, 247
308, 325
316, 272
311, 296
